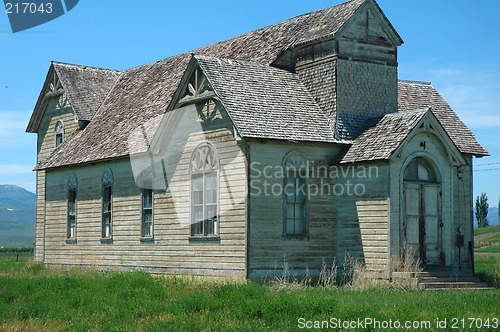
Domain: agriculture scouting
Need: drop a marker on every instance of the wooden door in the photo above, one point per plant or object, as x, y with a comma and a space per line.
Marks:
422, 226
432, 225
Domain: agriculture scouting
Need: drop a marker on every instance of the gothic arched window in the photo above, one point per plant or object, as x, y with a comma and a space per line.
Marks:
59, 133
204, 170
71, 207
146, 179
295, 194
107, 205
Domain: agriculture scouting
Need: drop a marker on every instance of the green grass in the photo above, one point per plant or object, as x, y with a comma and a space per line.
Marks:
486, 230
489, 249
487, 267
36, 298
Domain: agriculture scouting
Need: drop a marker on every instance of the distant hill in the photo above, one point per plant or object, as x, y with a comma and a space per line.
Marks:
17, 216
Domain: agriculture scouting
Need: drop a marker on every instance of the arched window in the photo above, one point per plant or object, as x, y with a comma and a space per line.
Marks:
71, 208
59, 132
107, 205
295, 194
419, 170
204, 169
146, 180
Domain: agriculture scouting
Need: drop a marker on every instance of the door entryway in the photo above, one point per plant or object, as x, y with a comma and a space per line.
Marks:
422, 224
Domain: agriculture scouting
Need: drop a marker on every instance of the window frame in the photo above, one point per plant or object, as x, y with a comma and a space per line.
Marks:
192, 173
295, 162
417, 163
107, 182
58, 133
151, 235
72, 188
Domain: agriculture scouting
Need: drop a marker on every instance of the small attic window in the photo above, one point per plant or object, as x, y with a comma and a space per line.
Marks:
59, 133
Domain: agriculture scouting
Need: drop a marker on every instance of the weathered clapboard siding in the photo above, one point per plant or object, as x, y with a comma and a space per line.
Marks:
268, 248
463, 206
40, 216
56, 109
172, 250
362, 233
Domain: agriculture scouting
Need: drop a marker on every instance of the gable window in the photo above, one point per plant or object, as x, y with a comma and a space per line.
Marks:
204, 191
107, 205
295, 195
71, 208
59, 132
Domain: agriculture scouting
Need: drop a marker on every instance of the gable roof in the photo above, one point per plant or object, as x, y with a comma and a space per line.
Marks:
418, 95
142, 93
85, 87
414, 99
266, 102
382, 139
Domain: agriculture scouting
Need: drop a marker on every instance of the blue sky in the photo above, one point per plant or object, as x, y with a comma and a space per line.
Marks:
455, 44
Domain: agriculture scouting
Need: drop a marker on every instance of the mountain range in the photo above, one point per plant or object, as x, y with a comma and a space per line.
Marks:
17, 216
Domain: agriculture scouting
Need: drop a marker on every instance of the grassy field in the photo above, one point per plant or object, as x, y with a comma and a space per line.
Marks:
486, 230
487, 240
35, 298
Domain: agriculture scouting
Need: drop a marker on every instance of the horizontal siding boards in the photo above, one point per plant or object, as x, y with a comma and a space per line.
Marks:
57, 109
172, 251
39, 216
268, 248
363, 220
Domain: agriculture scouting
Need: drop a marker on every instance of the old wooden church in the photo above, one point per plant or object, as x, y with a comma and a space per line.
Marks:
293, 142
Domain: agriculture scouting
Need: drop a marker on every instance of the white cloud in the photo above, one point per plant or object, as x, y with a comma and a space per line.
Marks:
15, 169
473, 95
20, 175
12, 129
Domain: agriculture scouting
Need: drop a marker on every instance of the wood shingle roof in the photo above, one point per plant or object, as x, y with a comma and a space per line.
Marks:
86, 87
142, 93
263, 101
266, 102
418, 95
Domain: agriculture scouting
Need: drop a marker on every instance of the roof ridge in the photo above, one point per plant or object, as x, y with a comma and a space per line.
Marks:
418, 82
201, 48
85, 66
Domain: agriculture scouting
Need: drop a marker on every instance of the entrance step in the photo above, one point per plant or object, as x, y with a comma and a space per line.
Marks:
445, 279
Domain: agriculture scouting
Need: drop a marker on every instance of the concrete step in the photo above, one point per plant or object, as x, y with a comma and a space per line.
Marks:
452, 285
448, 279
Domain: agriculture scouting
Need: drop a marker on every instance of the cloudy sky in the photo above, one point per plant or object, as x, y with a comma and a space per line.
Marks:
455, 44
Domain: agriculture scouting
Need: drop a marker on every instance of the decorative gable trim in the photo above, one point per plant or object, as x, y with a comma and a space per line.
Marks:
430, 124
52, 87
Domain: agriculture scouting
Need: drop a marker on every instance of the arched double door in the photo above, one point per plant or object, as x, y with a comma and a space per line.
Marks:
423, 226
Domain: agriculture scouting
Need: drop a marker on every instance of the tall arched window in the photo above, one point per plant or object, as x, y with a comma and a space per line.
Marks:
59, 133
146, 180
71, 208
107, 205
204, 169
295, 194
